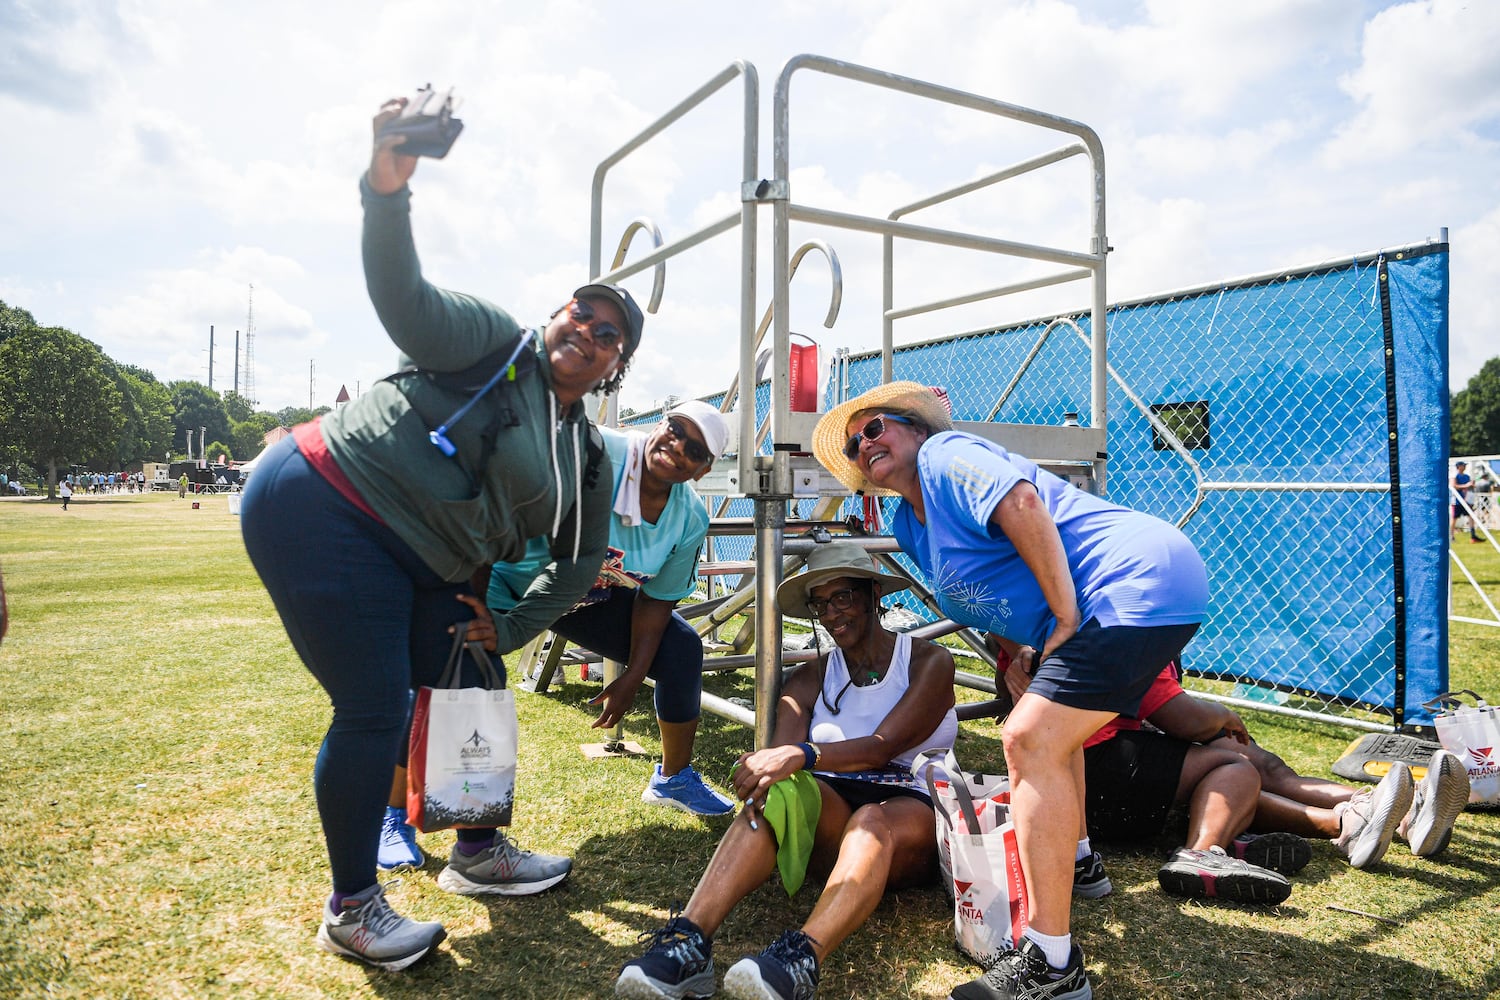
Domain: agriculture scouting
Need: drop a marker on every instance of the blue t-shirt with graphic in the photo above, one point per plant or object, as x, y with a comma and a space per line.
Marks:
660, 558
1128, 568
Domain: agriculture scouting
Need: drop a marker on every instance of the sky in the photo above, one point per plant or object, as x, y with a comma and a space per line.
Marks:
165, 158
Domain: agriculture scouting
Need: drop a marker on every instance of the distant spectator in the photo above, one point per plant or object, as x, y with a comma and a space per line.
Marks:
1462, 484
66, 492
182, 486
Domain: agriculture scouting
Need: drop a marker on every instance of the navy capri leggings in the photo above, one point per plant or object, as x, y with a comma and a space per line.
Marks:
677, 668
370, 620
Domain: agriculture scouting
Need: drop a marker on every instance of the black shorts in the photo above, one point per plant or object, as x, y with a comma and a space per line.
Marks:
1131, 784
858, 791
1109, 669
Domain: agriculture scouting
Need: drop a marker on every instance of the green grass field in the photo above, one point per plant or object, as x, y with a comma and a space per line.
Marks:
163, 841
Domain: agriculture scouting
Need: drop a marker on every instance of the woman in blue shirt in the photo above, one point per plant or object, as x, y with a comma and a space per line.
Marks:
1090, 599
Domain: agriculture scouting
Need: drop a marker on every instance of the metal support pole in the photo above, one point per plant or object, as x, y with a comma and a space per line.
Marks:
615, 741
770, 523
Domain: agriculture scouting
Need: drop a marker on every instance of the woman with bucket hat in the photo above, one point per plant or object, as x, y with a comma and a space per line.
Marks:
1090, 598
367, 525
834, 790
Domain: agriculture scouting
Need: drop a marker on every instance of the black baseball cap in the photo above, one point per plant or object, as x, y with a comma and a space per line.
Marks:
634, 319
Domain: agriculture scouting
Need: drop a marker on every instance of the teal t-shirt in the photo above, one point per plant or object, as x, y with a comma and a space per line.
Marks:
660, 558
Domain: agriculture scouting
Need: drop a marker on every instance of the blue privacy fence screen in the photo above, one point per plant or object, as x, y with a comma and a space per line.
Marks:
1313, 405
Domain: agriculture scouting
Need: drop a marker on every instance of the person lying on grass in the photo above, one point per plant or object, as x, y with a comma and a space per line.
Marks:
833, 792
1248, 812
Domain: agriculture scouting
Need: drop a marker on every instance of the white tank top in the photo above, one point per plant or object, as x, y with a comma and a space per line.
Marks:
863, 709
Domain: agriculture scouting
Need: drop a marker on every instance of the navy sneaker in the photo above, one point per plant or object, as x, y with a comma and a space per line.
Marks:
1089, 878
679, 963
1213, 874
1024, 974
1286, 853
398, 842
786, 970
687, 791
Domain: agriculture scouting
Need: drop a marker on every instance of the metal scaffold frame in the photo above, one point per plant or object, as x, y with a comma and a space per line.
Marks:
788, 471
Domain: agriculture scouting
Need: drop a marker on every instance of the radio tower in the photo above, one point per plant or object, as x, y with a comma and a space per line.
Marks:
249, 380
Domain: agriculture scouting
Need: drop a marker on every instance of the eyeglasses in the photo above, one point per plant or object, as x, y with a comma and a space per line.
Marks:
839, 600
694, 450
871, 432
605, 333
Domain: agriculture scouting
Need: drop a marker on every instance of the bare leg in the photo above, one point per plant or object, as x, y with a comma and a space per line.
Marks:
745, 858
398, 788
1220, 788
1042, 739
1279, 779
1274, 812
676, 745
887, 843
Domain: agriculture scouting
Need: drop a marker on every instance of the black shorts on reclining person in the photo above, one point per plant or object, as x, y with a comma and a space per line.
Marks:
1131, 783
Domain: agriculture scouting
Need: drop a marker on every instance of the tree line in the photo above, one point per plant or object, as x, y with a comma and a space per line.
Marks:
65, 403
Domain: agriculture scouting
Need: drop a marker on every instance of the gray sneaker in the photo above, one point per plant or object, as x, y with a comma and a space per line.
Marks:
367, 929
502, 869
1435, 804
1367, 822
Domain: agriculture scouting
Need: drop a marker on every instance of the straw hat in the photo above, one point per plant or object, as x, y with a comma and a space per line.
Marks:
830, 562
925, 403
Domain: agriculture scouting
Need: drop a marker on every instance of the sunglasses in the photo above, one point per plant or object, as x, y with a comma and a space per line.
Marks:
605, 333
839, 600
871, 432
694, 450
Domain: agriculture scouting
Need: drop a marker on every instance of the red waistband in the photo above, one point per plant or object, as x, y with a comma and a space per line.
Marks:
310, 442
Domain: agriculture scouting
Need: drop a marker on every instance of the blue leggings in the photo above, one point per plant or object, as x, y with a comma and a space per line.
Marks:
677, 668
370, 620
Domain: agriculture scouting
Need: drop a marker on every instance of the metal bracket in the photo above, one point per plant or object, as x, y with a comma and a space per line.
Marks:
766, 189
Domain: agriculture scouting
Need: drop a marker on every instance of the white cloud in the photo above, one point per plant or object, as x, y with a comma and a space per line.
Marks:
1429, 71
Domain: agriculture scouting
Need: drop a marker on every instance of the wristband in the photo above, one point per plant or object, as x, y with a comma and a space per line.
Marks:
811, 755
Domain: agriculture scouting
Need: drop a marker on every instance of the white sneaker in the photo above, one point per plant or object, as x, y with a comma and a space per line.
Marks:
502, 869
1367, 822
367, 929
1439, 797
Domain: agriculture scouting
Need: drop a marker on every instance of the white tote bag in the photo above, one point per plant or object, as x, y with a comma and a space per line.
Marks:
1473, 734
981, 861
462, 767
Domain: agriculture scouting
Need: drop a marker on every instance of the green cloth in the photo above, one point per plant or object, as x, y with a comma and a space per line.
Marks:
792, 808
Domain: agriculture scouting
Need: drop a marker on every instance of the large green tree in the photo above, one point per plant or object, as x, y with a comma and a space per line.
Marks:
197, 406
249, 435
58, 400
1476, 413
13, 320
147, 408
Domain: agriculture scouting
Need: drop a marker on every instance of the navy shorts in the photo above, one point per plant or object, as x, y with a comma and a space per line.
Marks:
1109, 669
1131, 784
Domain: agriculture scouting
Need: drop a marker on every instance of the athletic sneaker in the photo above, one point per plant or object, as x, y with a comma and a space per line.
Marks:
367, 929
1368, 820
1281, 852
502, 869
679, 963
1213, 874
1089, 877
1024, 974
1435, 804
786, 970
687, 791
398, 842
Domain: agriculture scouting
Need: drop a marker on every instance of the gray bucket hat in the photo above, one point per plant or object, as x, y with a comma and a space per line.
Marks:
829, 562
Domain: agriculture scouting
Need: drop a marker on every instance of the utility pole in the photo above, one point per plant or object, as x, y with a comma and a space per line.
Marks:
210, 358
236, 362
311, 364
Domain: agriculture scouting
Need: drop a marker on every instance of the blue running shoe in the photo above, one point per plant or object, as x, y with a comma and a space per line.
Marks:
687, 791
398, 842
786, 970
